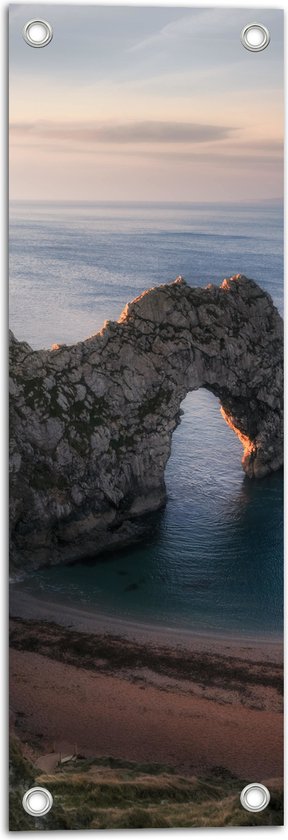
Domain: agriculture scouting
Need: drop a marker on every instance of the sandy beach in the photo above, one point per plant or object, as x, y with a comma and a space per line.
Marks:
195, 704
24, 605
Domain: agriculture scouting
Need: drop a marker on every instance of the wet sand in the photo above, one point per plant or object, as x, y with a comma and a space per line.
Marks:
24, 605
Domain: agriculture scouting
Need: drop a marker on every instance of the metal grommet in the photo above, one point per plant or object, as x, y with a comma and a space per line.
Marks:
37, 801
255, 797
37, 33
255, 37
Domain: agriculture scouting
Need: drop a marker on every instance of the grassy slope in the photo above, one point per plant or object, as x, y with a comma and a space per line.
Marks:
107, 793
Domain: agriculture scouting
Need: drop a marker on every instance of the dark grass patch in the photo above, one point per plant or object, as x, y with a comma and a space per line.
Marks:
107, 653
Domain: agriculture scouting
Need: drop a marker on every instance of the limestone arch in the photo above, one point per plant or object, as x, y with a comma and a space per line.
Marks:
91, 424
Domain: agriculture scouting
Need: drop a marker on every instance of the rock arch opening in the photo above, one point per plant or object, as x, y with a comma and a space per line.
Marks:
205, 453
91, 424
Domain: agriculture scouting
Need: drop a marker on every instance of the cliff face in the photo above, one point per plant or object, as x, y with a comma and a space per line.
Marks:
91, 424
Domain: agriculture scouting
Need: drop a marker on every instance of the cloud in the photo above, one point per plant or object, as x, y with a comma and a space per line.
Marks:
149, 131
254, 155
213, 25
186, 25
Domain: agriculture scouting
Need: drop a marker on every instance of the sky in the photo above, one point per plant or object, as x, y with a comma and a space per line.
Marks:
145, 104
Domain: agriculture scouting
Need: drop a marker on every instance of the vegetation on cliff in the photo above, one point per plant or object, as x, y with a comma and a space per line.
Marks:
105, 793
91, 425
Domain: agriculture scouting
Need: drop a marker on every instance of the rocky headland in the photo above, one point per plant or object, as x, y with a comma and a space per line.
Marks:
91, 424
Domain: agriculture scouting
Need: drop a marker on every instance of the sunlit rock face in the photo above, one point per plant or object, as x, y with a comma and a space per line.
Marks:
91, 424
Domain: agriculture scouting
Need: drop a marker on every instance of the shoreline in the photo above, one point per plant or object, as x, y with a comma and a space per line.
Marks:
25, 606
191, 702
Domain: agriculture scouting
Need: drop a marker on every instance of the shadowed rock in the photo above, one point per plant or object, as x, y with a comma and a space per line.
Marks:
91, 424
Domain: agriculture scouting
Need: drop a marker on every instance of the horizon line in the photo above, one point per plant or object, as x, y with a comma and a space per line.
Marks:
279, 199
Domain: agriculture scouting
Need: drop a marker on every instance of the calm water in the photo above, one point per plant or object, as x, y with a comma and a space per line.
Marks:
213, 561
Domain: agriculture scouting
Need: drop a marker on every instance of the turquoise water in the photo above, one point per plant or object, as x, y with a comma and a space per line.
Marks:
213, 559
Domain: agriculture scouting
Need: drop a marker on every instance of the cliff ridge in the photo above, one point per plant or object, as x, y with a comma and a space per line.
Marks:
91, 424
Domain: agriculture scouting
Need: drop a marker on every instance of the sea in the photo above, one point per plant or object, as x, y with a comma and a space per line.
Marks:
213, 560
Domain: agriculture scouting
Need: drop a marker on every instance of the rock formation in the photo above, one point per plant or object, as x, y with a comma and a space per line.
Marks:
91, 424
